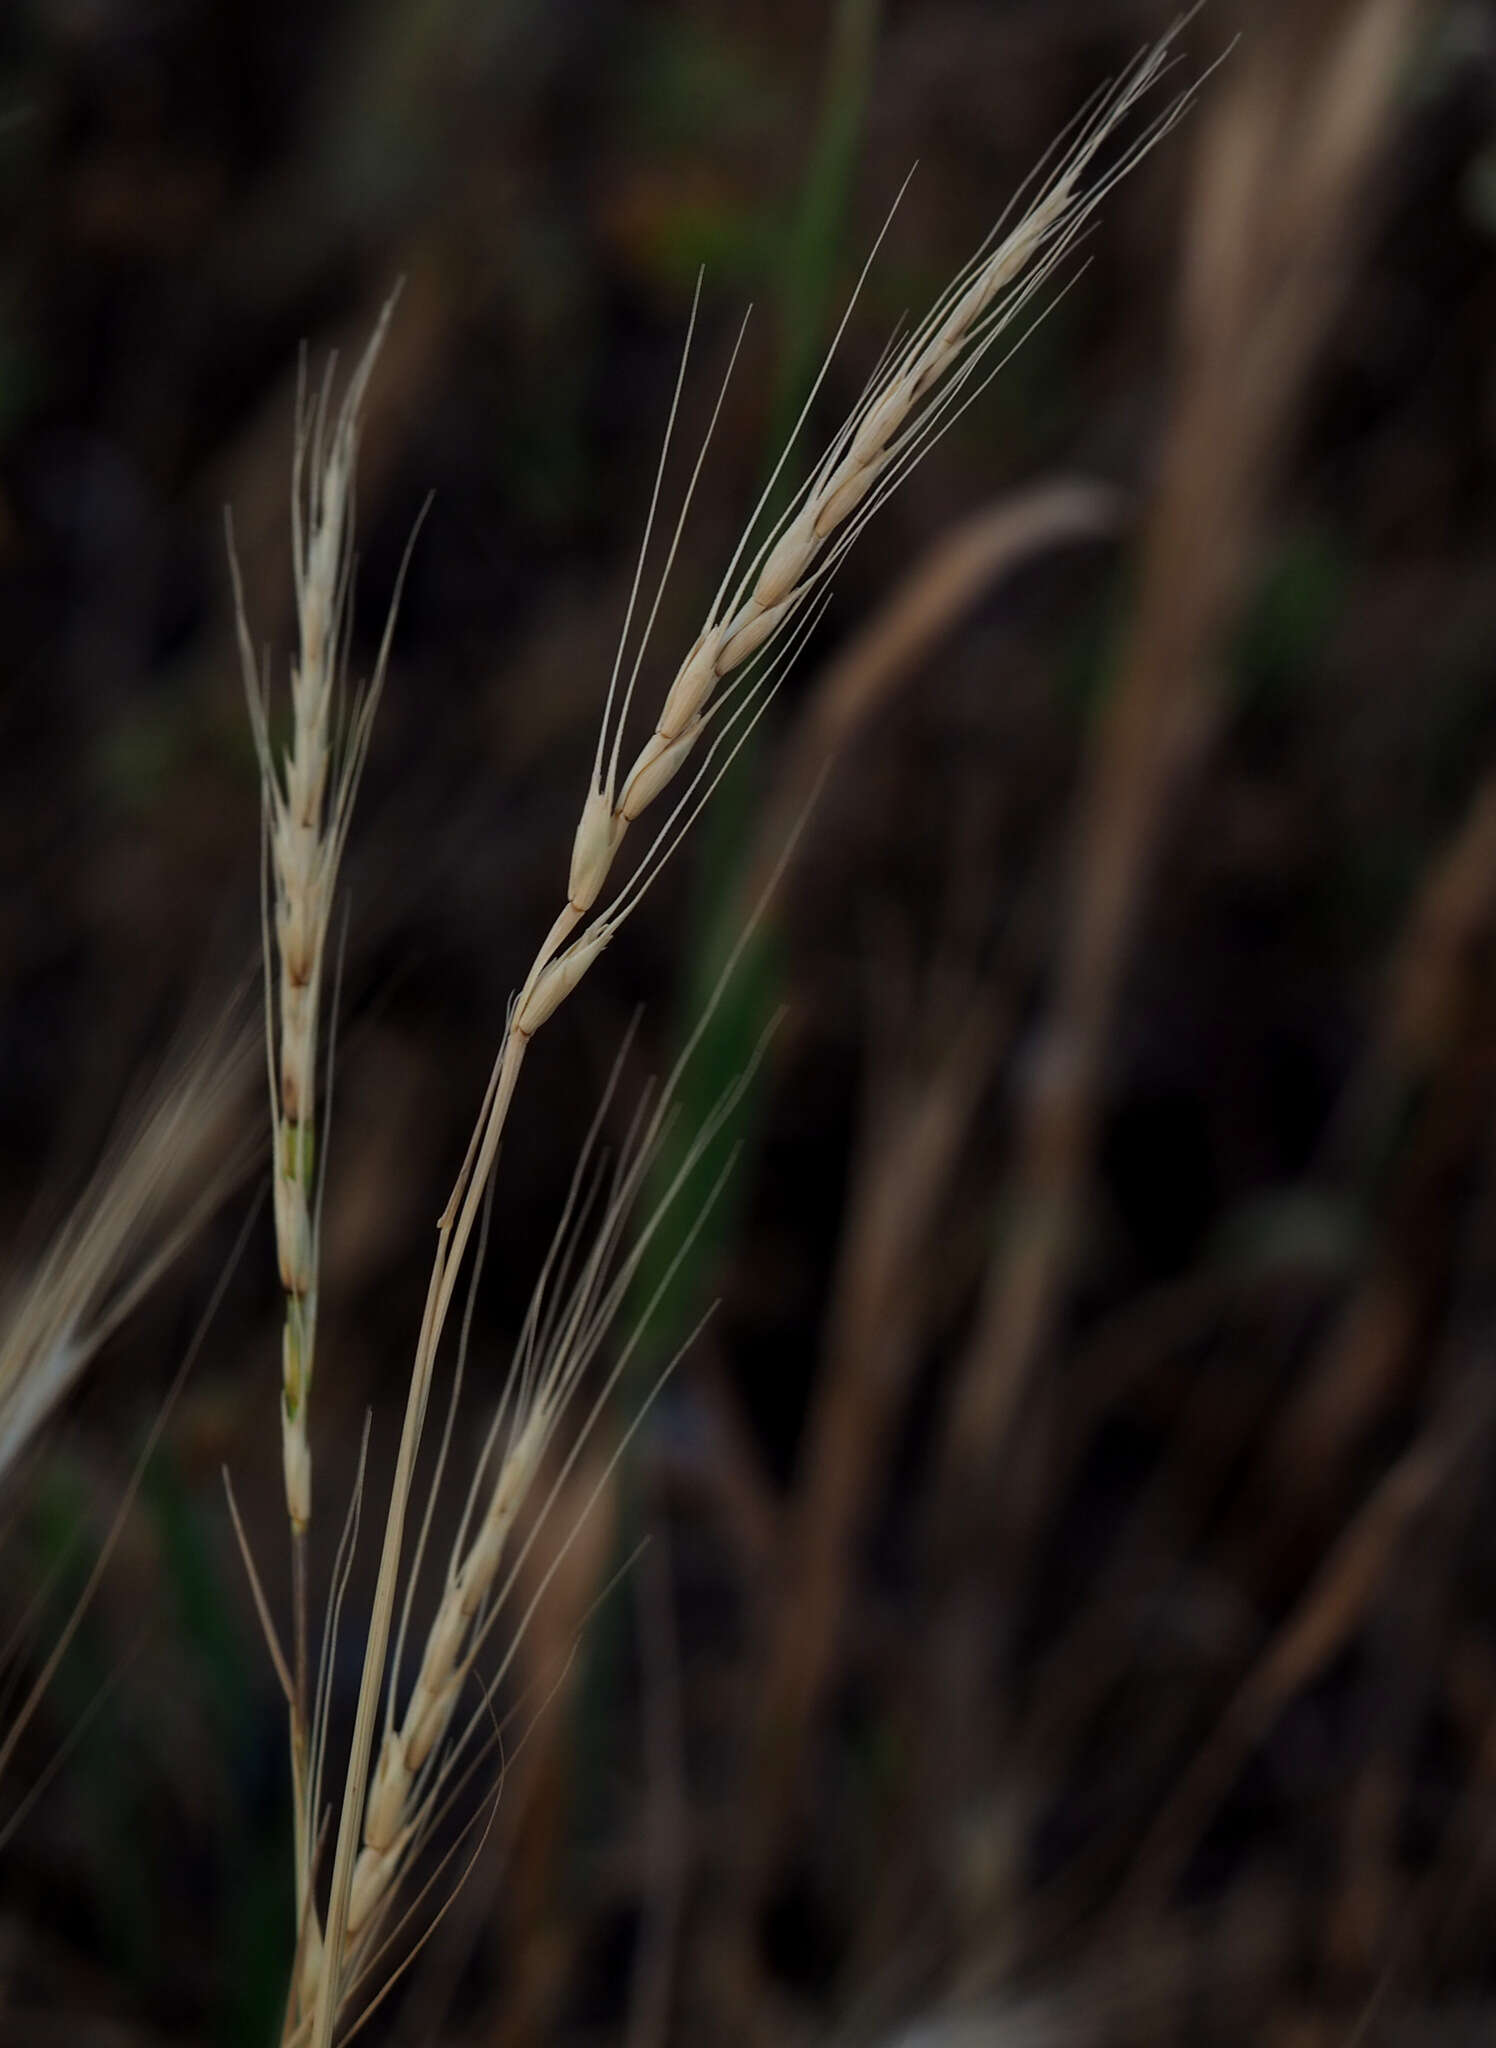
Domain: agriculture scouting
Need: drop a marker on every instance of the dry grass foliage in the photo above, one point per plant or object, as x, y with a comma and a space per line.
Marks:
1279, 206
411, 1751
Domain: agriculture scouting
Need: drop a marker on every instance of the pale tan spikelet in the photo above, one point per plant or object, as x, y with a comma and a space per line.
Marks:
430, 1716
695, 682
388, 1793
657, 766
597, 840
372, 1876
558, 978
783, 570
841, 503
755, 632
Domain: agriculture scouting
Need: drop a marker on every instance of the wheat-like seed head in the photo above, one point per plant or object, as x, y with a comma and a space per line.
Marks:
925, 384
308, 787
585, 1283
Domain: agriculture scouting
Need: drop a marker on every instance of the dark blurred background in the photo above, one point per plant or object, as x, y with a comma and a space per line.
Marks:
1067, 1608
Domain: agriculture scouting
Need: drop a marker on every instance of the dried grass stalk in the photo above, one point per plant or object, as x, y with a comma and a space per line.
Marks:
308, 786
